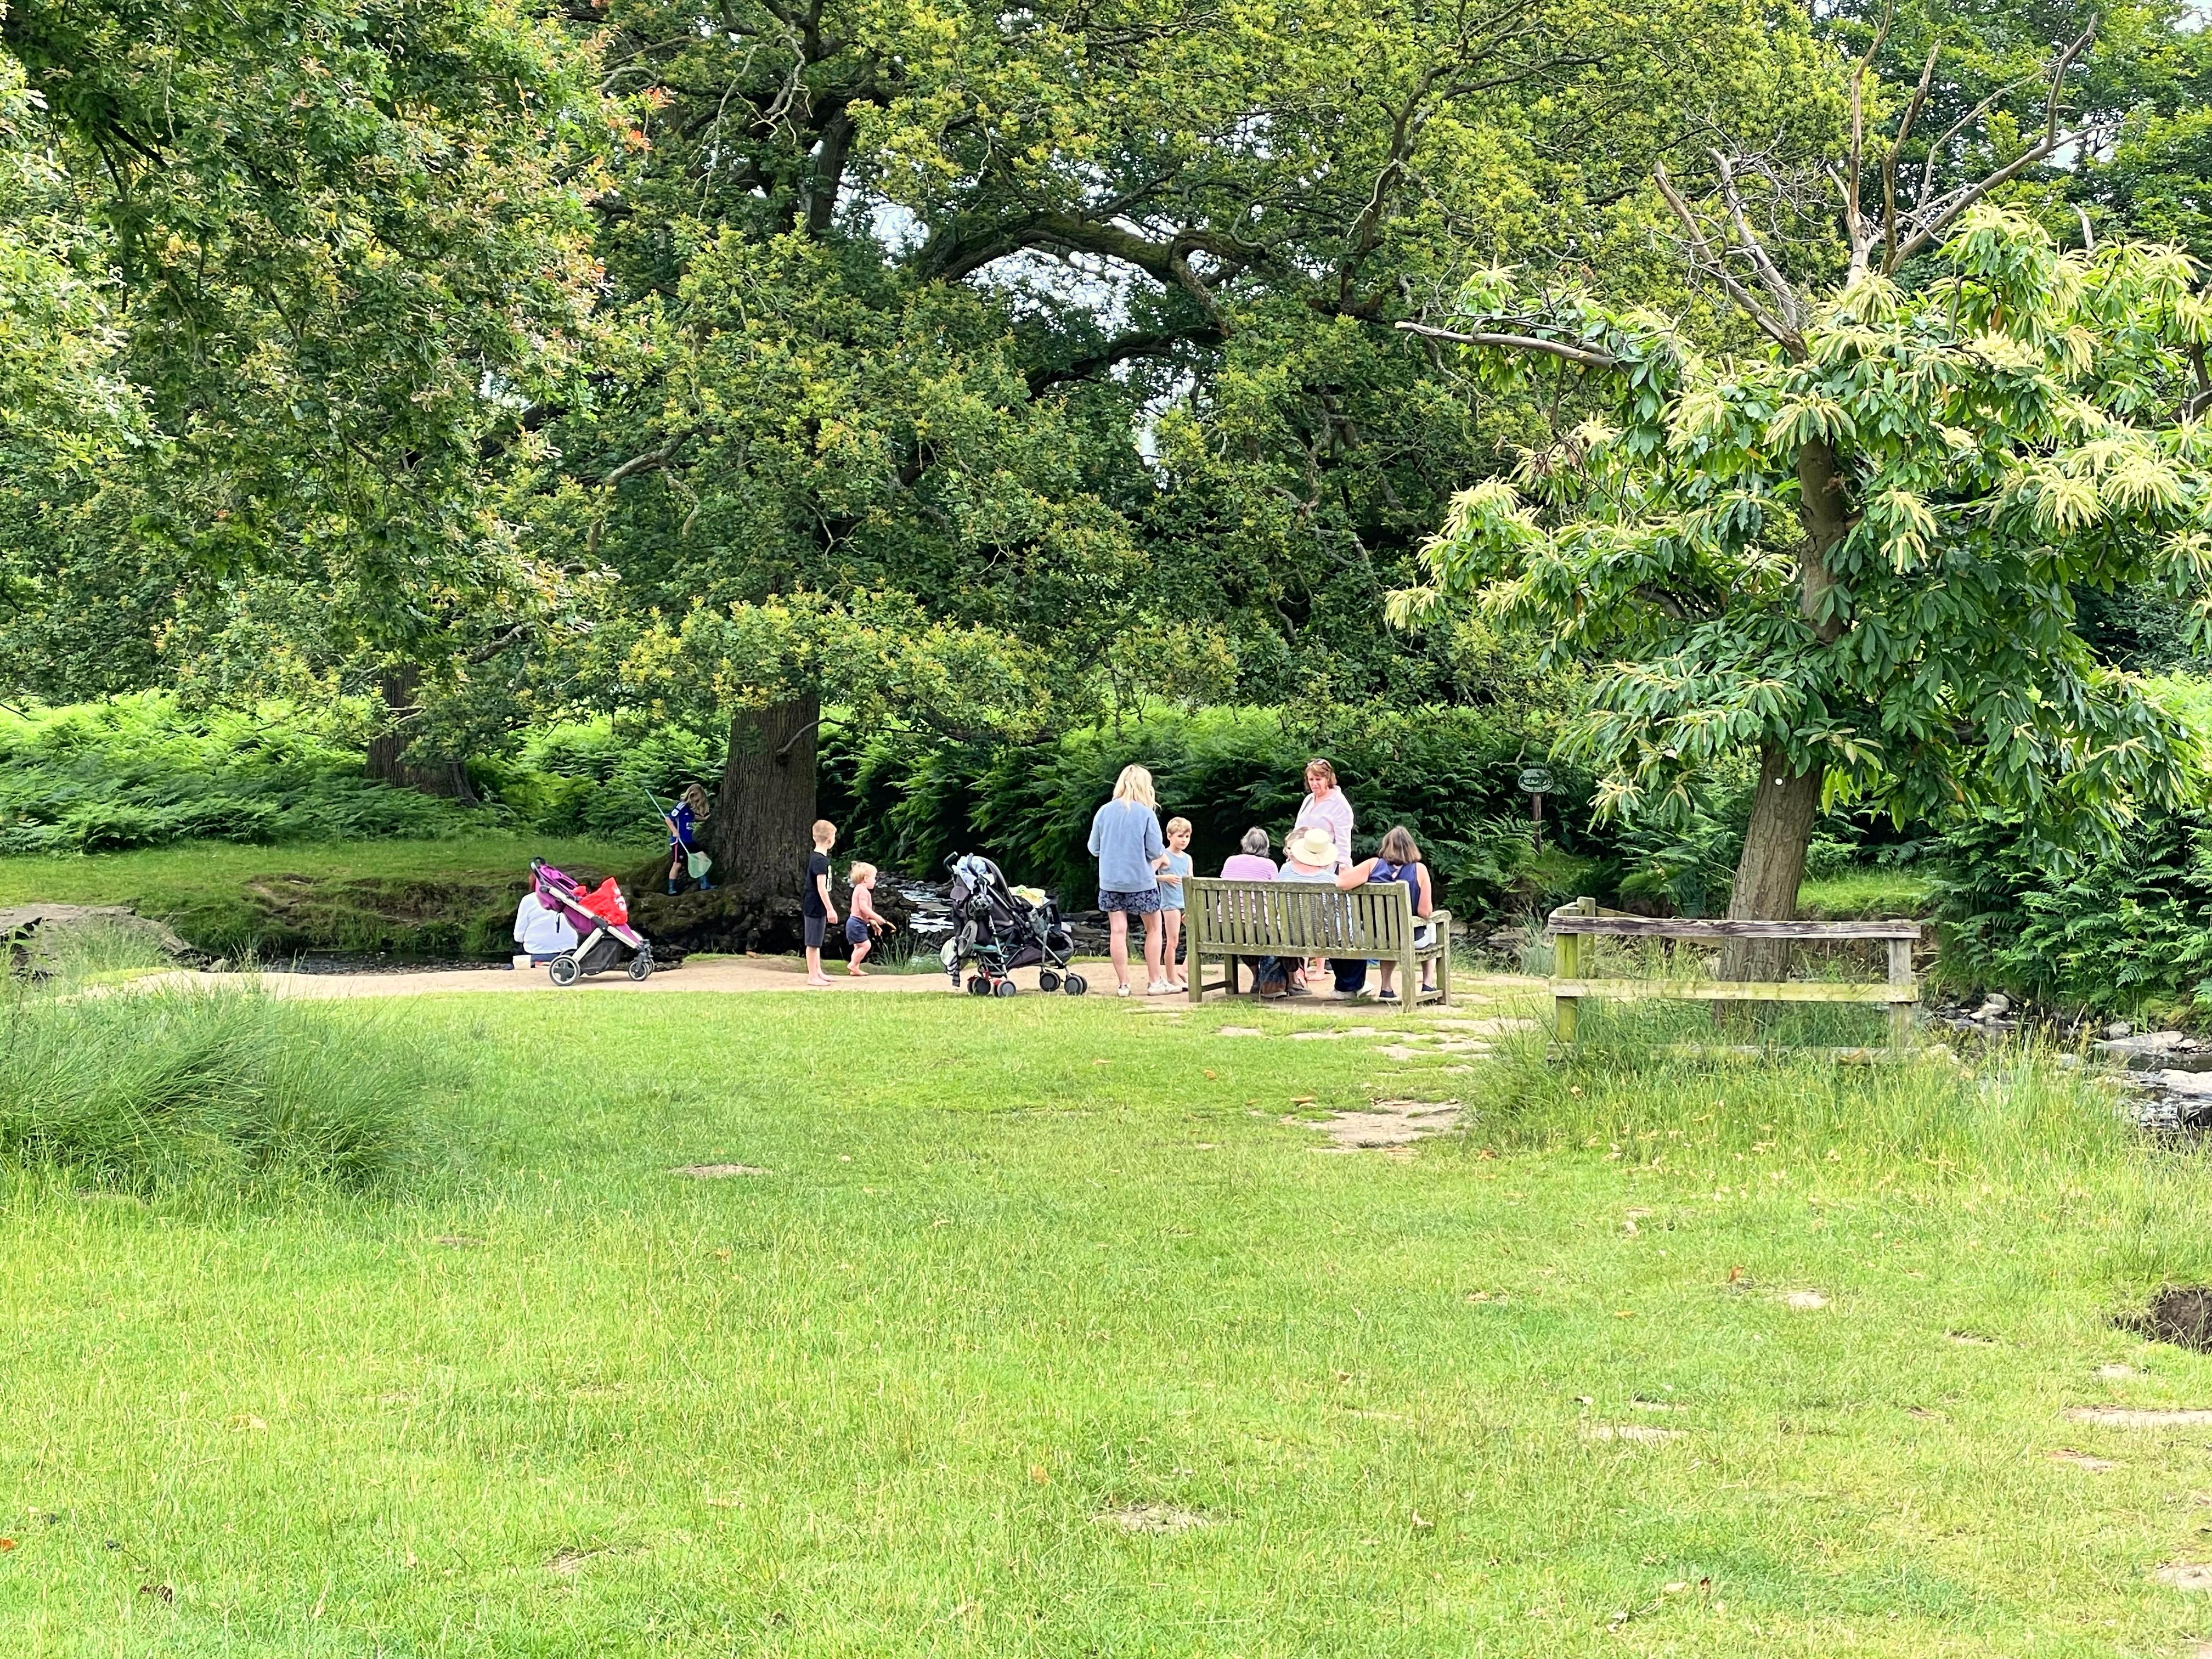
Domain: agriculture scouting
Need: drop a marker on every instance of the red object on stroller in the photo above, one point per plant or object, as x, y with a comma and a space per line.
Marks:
605, 902
605, 938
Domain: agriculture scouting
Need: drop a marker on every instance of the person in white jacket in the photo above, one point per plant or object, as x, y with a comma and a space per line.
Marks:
542, 932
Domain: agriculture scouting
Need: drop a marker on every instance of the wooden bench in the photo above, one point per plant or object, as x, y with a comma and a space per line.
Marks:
1226, 919
1572, 924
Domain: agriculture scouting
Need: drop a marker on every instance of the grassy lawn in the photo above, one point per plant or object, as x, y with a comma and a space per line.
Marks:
1015, 1266
362, 895
1868, 893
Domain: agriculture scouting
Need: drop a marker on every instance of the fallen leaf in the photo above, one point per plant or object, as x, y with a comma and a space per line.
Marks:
1735, 1275
1038, 1475
1419, 1525
1210, 1073
1623, 1313
7, 1544
1303, 1100
1628, 1227
247, 1420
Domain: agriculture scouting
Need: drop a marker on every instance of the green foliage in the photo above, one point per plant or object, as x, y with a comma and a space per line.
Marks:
145, 1090
2004, 437
1451, 775
2120, 925
138, 773
2118, 929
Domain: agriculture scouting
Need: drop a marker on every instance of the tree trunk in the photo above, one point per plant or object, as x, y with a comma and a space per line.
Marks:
1783, 813
758, 832
446, 778
1788, 803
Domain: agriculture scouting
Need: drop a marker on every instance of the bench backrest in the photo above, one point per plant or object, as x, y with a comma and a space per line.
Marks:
1265, 918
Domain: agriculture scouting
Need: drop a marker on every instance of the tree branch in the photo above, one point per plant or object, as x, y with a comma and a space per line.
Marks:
1784, 336
1573, 354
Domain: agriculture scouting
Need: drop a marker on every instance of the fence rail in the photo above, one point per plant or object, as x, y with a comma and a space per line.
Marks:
1572, 924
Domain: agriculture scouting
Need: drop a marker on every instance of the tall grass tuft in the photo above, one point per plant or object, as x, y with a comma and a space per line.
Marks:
165, 1088
1663, 1082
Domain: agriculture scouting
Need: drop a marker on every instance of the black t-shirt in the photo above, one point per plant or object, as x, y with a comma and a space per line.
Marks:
818, 863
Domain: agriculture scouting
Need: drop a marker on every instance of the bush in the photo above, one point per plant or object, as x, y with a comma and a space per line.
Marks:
2118, 931
142, 1090
137, 772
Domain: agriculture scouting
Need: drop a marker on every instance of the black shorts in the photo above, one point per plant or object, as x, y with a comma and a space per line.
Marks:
856, 931
816, 927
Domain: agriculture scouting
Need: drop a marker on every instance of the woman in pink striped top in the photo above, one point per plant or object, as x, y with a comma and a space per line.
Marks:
1325, 808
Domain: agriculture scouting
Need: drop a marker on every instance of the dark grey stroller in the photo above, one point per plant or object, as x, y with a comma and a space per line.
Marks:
1000, 928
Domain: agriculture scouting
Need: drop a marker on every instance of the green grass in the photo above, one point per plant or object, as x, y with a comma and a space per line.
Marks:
1863, 894
1016, 1265
165, 1088
422, 897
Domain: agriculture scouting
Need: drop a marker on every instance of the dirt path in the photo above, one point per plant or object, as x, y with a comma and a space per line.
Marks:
729, 973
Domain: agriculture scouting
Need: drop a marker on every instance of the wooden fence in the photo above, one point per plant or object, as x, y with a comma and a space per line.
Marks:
1572, 924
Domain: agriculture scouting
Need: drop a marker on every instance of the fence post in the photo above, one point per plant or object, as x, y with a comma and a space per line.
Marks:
1567, 963
1900, 973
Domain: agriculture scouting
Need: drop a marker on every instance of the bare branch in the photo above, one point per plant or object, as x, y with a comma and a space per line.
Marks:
1854, 163
1935, 220
1780, 333
1897, 145
1785, 297
1573, 354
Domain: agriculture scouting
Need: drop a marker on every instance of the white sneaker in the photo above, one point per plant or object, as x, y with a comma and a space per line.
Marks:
1158, 988
1123, 992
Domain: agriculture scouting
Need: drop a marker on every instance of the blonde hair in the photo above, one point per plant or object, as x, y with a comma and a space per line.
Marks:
824, 829
1135, 784
858, 873
1319, 765
1178, 827
694, 798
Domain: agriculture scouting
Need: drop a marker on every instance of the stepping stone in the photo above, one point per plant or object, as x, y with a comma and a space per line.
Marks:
717, 1171
2080, 1460
1316, 1037
1401, 1051
1641, 1433
2122, 1417
1239, 1031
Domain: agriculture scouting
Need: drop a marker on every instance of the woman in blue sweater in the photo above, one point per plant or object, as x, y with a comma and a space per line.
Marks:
1125, 839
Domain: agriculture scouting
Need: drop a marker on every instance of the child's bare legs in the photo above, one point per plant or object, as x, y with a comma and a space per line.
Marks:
814, 974
1171, 922
1153, 976
860, 955
1117, 945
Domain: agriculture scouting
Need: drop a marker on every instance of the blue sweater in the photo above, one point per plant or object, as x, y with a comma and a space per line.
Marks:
1125, 838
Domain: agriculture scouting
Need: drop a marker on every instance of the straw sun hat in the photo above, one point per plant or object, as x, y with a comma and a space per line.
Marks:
1312, 845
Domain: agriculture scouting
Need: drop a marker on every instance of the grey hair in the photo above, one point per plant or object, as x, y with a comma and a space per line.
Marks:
1255, 843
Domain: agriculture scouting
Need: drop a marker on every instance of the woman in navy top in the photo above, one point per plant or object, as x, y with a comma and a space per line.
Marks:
1397, 860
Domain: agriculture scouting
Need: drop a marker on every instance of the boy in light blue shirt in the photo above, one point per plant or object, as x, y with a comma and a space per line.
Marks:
1173, 866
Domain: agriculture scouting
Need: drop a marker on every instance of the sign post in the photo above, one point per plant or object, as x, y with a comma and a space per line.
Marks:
1536, 782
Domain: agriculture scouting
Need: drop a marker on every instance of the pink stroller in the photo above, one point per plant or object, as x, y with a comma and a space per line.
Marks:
604, 942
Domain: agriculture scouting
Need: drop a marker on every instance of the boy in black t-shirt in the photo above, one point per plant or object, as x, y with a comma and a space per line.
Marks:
815, 907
